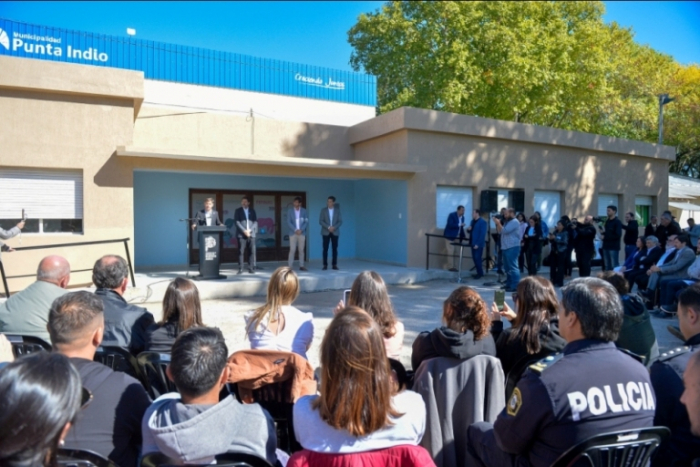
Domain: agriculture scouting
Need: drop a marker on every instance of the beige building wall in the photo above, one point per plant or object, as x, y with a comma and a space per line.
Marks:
63, 116
484, 154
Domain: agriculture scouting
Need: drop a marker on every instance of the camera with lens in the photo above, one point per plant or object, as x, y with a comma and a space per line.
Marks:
598, 219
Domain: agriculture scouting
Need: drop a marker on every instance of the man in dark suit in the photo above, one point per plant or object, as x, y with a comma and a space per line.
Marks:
125, 324
454, 231
246, 230
477, 240
650, 229
330, 220
207, 216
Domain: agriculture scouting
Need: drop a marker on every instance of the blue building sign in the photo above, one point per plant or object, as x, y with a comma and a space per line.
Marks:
183, 64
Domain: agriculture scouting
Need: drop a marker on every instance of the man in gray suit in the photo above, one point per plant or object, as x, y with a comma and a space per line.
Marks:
330, 221
297, 221
27, 312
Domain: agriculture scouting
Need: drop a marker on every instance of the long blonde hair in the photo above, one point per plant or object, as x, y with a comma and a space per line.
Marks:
282, 290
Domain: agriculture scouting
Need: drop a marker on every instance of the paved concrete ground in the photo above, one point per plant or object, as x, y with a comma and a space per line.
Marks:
418, 306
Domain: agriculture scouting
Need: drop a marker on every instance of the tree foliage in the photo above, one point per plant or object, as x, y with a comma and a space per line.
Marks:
546, 63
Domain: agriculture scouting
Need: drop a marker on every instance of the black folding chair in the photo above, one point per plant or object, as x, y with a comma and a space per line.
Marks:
632, 448
230, 459
120, 359
24, 345
152, 366
81, 458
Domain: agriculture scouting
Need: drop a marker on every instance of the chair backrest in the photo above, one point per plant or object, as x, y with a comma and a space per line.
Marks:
119, 359
152, 366
231, 459
24, 345
397, 456
457, 393
81, 458
632, 448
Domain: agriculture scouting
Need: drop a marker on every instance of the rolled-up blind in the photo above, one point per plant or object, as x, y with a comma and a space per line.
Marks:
43, 193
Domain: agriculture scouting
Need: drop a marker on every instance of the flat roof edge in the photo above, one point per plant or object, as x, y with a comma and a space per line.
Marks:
407, 169
412, 119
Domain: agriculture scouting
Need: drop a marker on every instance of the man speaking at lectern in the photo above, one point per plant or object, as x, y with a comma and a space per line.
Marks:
207, 216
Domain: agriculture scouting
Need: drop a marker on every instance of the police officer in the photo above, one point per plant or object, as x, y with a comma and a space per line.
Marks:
667, 379
588, 389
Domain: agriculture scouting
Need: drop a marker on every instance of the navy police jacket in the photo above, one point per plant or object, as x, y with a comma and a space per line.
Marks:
588, 389
667, 378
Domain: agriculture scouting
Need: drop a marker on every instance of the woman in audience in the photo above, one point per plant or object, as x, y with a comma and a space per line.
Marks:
369, 293
465, 332
357, 410
631, 259
181, 311
534, 331
637, 334
39, 399
277, 325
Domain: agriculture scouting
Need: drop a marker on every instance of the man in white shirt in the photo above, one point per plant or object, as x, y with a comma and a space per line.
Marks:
330, 221
297, 221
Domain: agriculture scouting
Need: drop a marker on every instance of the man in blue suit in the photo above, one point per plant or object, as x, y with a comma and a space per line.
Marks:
477, 228
454, 230
297, 221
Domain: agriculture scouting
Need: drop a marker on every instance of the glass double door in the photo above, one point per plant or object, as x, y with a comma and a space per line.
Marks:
272, 240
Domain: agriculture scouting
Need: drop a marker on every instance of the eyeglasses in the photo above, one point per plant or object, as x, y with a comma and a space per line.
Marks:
515, 297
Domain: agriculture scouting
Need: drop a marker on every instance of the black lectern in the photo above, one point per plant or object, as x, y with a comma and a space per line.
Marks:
209, 251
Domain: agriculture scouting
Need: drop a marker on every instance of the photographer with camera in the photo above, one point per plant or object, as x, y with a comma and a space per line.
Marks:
611, 233
584, 244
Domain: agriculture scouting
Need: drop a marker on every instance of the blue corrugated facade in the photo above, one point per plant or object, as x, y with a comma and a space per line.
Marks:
183, 64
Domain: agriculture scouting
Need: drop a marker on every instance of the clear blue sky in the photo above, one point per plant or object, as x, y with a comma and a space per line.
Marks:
313, 33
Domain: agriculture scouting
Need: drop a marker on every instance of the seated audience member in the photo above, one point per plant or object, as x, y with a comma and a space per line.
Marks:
693, 231
465, 332
562, 401
534, 331
277, 325
39, 400
111, 424
667, 379
125, 324
637, 333
194, 426
677, 268
357, 410
671, 289
639, 251
27, 312
653, 254
181, 311
369, 293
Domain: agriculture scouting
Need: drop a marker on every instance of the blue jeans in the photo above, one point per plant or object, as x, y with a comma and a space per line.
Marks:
629, 250
611, 259
477, 255
510, 263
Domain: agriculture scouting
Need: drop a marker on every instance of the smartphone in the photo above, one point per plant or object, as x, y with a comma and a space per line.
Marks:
24, 215
346, 296
499, 297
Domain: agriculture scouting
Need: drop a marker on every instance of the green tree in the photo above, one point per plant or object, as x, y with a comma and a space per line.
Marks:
682, 120
546, 62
